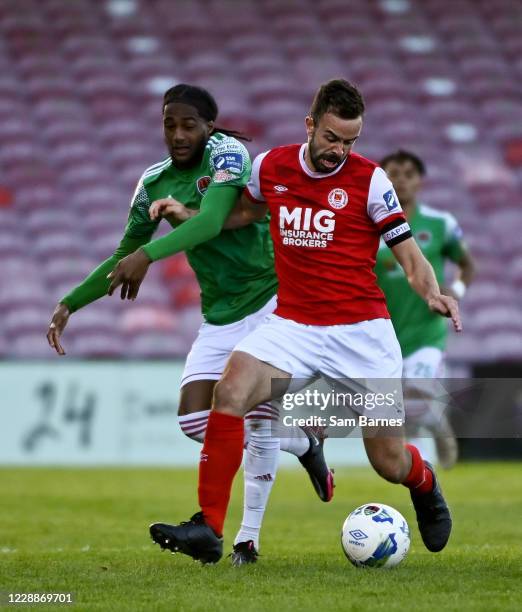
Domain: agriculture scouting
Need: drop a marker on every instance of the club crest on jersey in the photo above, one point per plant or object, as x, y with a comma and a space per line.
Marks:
423, 237
202, 184
338, 198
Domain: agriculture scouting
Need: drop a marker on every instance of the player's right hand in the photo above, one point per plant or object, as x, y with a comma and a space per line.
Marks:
169, 207
58, 322
446, 306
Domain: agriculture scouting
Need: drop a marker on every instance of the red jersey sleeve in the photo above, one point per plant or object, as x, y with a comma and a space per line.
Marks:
385, 211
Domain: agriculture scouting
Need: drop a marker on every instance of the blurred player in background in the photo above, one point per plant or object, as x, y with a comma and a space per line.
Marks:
207, 169
422, 333
328, 208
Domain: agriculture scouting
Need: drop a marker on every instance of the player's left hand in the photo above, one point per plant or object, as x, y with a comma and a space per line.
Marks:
447, 306
129, 273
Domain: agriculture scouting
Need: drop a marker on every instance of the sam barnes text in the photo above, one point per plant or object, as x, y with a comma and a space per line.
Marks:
334, 421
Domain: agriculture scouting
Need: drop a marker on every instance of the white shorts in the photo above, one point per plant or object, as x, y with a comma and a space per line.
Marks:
425, 366
368, 350
427, 362
214, 343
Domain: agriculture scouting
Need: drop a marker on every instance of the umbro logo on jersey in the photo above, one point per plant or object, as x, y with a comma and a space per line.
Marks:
280, 188
338, 198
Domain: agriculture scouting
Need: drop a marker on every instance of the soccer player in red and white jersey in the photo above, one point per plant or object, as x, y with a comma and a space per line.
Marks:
329, 207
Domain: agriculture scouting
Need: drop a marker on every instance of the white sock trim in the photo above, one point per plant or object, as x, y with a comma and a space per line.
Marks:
194, 425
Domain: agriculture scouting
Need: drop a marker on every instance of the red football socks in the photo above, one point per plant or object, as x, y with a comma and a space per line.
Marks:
420, 478
220, 460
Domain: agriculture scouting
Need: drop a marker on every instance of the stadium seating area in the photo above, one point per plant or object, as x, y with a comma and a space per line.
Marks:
80, 119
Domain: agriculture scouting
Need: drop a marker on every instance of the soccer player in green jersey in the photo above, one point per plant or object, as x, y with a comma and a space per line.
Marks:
206, 169
421, 333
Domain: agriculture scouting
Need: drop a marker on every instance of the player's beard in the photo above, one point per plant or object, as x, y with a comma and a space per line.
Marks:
193, 160
317, 158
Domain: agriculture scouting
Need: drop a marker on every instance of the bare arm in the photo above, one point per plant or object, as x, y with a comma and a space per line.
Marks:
465, 274
422, 279
245, 212
467, 268
463, 278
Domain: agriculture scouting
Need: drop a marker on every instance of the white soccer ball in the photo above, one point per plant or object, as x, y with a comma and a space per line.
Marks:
375, 535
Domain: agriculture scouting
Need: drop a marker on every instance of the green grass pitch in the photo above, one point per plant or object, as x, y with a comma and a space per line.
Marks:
85, 531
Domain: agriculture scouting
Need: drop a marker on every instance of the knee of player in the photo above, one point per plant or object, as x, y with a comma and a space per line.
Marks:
229, 397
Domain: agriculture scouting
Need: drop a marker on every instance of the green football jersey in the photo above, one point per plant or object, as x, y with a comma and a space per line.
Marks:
235, 270
440, 238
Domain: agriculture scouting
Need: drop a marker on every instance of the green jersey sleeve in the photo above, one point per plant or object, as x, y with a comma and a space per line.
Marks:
215, 207
229, 162
139, 223
138, 232
454, 246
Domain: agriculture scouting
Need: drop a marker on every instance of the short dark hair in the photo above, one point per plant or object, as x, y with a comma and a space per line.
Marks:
400, 156
338, 97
